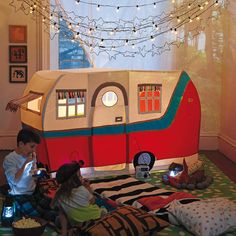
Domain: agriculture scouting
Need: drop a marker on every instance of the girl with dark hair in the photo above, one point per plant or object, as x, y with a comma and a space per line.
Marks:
75, 196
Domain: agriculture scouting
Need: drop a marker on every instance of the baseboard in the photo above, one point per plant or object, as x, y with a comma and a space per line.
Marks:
209, 141
227, 146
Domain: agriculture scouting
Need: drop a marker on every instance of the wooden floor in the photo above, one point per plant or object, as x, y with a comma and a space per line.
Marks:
221, 161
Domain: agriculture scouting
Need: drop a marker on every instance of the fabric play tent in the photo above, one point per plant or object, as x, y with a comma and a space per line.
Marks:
106, 117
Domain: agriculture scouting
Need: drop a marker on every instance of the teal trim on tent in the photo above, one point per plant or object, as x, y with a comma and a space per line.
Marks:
66, 133
117, 129
159, 124
166, 120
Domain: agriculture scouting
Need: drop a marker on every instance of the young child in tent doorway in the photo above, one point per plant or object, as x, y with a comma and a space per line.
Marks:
75, 197
20, 167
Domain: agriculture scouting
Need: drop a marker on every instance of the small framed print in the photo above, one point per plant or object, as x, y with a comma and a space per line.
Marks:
18, 74
17, 33
17, 54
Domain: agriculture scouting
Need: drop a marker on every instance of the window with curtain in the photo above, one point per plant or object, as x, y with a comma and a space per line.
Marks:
92, 24
149, 98
71, 103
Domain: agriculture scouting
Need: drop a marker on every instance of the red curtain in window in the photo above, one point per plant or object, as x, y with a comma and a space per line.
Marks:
142, 103
149, 98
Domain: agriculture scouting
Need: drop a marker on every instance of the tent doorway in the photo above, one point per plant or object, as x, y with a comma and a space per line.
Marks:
109, 120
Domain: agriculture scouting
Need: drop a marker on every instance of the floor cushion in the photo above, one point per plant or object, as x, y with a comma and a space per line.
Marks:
125, 221
207, 217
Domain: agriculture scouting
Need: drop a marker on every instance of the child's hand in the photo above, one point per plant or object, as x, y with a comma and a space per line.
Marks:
86, 182
29, 159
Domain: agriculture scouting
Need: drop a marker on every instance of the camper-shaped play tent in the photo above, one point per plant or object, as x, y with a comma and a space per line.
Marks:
107, 117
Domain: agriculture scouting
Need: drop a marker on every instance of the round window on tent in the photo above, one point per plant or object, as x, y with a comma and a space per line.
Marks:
109, 99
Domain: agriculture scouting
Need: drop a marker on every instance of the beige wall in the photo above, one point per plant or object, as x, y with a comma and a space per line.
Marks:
227, 137
210, 65
10, 122
201, 57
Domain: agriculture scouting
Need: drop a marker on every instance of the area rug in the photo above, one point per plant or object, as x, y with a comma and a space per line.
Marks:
222, 186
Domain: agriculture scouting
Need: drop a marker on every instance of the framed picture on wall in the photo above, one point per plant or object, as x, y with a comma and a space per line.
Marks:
17, 54
18, 74
17, 34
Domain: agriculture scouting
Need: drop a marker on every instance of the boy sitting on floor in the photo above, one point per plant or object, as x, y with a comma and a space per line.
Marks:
20, 167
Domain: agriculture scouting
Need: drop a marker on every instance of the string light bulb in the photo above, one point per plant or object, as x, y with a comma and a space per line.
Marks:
76, 35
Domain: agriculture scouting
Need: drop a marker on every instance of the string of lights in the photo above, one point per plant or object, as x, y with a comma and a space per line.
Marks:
118, 6
154, 33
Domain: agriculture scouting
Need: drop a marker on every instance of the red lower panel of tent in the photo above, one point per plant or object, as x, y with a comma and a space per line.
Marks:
99, 150
109, 149
66, 149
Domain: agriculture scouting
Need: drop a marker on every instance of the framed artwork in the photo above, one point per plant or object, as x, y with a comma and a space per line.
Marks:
17, 33
17, 54
18, 74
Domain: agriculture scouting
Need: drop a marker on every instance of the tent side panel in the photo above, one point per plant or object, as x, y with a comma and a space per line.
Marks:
181, 136
66, 149
167, 80
172, 133
39, 84
68, 82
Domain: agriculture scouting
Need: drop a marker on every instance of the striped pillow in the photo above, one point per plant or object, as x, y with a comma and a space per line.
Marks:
125, 221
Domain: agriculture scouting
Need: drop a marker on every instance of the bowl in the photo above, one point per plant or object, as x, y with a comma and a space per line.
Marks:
32, 231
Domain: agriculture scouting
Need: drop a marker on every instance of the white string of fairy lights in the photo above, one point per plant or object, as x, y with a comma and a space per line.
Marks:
127, 37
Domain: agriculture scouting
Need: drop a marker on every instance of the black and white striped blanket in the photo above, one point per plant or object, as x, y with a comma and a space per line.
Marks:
126, 190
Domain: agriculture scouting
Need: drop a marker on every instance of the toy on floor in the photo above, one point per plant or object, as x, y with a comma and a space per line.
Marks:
187, 177
143, 163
